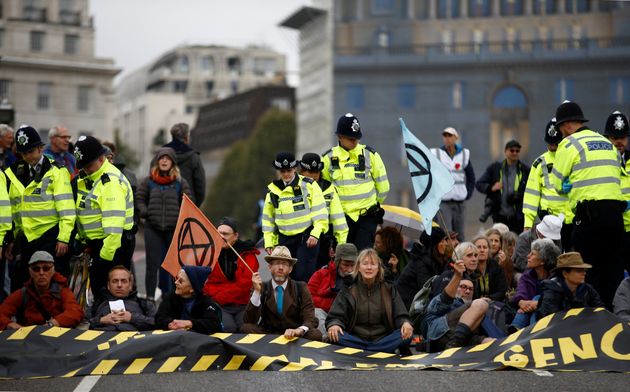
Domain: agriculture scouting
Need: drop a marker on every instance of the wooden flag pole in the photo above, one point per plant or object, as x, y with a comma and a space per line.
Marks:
239, 257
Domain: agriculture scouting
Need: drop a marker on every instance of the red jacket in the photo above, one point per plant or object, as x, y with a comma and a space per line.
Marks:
237, 291
320, 286
58, 300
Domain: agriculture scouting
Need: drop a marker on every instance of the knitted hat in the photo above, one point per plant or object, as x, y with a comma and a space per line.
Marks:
197, 276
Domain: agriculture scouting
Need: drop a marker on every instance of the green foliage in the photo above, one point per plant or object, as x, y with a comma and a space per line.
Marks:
124, 153
247, 169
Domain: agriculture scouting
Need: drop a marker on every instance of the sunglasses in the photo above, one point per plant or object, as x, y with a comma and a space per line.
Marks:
37, 268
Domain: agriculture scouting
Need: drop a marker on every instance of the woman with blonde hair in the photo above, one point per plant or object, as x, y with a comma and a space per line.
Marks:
159, 197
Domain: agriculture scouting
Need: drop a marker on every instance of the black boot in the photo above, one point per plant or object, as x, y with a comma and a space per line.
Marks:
461, 337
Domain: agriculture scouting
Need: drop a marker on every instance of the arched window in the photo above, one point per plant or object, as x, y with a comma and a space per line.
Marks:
183, 64
509, 97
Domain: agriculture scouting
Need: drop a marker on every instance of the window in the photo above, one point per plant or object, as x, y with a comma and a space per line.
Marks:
406, 95
33, 10
577, 6
180, 86
37, 41
448, 9
71, 44
183, 64
207, 64
564, 90
5, 89
189, 109
619, 91
354, 96
1, 38
511, 7
545, 7
457, 95
264, 67
43, 95
83, 98
234, 66
66, 5
510, 97
381, 7
478, 8
68, 13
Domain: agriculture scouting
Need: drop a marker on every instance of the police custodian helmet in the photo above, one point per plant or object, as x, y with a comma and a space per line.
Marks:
26, 139
569, 111
348, 125
552, 133
86, 150
617, 125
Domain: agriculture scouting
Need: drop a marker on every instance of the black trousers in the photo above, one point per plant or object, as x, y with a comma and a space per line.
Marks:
307, 257
361, 233
515, 222
100, 268
598, 234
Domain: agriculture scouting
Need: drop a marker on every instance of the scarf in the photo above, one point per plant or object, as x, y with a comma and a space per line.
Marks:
160, 178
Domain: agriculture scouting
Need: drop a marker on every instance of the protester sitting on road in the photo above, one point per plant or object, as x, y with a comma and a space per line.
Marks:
540, 261
508, 242
230, 282
468, 253
326, 282
281, 305
549, 227
388, 243
121, 309
370, 315
159, 198
621, 302
453, 317
428, 258
495, 239
186, 307
489, 281
44, 299
567, 290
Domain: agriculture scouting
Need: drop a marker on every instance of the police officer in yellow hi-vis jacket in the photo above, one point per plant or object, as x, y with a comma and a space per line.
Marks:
541, 198
42, 205
360, 179
311, 166
618, 131
587, 170
104, 210
5, 228
294, 215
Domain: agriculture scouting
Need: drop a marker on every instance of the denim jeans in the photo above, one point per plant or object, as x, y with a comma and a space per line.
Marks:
385, 344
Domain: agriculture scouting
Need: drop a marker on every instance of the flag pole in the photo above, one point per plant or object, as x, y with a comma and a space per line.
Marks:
239, 257
448, 234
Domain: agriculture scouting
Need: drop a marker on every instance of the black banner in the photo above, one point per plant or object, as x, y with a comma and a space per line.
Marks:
577, 340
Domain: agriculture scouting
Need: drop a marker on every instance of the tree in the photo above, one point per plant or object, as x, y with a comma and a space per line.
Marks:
247, 169
123, 152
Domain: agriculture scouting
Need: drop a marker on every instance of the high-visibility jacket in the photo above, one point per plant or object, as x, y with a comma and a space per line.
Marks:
5, 208
336, 217
591, 164
540, 195
104, 208
457, 165
625, 186
359, 177
45, 202
291, 209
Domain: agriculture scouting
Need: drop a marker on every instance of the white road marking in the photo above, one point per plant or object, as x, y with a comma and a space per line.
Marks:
87, 384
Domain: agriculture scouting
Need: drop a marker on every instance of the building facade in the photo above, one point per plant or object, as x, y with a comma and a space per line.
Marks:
49, 74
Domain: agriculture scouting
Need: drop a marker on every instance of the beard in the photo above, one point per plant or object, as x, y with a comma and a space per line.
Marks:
279, 279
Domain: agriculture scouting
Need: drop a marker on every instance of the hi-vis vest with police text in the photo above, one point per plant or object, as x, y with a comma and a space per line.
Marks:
292, 209
5, 208
359, 177
104, 208
456, 165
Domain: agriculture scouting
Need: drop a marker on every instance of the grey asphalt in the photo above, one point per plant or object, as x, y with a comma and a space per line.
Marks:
509, 381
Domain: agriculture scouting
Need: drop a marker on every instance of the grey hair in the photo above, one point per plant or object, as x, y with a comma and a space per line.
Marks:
4, 128
548, 252
180, 131
462, 248
52, 132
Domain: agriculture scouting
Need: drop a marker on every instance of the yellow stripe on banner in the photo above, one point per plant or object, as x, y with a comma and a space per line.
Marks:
481, 346
103, 346
21, 333
235, 362
448, 352
469, 364
348, 351
137, 366
365, 366
204, 363
282, 340
326, 365
381, 355
161, 332
572, 312
264, 361
598, 309
251, 338
315, 344
123, 336
55, 332
414, 357
512, 338
89, 335
104, 367
542, 323
171, 364
221, 335
71, 374
295, 366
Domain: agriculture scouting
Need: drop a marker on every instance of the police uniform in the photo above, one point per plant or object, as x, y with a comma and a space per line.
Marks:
541, 198
5, 228
291, 214
360, 179
587, 168
42, 205
337, 231
105, 213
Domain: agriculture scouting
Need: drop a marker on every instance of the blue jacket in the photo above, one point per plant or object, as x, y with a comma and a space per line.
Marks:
439, 307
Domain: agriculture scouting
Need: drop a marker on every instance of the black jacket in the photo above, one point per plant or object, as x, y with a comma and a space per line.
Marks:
205, 314
191, 169
142, 313
421, 268
556, 296
493, 175
497, 284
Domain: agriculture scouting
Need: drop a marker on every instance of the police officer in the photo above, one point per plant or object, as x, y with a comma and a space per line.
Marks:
541, 198
42, 204
617, 131
311, 166
587, 169
5, 228
294, 215
359, 177
105, 212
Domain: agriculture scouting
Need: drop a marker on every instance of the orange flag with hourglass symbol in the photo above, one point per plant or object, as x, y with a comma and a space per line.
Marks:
195, 241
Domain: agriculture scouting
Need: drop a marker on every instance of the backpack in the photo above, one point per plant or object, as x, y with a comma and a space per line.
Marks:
178, 187
419, 305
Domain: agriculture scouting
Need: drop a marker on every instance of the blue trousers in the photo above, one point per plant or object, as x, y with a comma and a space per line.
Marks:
307, 257
522, 320
386, 344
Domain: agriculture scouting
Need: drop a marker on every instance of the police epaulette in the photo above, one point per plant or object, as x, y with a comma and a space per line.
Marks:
537, 162
370, 149
105, 178
307, 179
329, 151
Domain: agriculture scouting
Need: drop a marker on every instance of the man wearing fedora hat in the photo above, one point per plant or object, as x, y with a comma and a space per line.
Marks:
567, 289
281, 305
587, 169
550, 227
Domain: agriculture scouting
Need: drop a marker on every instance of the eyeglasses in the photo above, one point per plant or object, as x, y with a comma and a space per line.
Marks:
64, 137
37, 268
466, 288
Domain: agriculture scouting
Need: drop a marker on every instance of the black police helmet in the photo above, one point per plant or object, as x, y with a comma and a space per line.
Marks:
348, 125
311, 162
284, 160
569, 111
86, 150
617, 125
552, 133
27, 138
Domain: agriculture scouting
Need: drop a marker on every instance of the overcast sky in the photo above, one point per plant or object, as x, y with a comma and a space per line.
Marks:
135, 32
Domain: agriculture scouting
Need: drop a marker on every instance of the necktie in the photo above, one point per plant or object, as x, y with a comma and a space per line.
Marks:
279, 298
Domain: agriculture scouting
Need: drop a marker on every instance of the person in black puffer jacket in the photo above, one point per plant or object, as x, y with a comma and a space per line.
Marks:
159, 198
